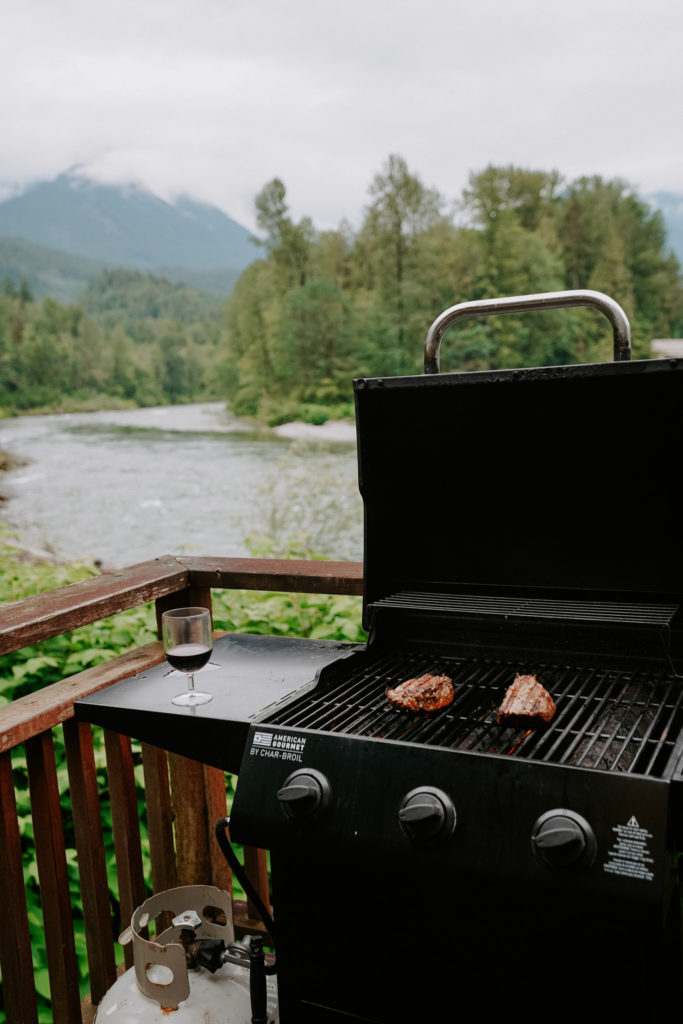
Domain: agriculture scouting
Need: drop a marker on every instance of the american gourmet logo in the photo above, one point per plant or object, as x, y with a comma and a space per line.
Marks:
279, 741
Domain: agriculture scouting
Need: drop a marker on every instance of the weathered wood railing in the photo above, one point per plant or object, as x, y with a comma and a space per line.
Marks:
183, 798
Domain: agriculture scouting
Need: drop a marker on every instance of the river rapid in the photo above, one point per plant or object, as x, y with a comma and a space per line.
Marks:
128, 485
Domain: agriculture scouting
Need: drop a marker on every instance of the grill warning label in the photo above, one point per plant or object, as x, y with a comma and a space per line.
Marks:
630, 852
281, 745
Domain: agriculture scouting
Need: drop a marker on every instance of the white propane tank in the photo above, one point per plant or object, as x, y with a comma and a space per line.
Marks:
160, 989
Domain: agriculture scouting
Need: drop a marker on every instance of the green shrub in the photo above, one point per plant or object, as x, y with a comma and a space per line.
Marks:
36, 666
315, 414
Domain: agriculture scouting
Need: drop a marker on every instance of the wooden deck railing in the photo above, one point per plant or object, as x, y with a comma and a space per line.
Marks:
183, 798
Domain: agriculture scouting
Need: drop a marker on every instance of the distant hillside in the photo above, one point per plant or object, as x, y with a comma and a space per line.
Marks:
47, 271
61, 276
127, 226
212, 282
123, 295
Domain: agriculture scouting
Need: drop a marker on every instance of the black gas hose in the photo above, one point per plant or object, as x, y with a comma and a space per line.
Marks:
235, 866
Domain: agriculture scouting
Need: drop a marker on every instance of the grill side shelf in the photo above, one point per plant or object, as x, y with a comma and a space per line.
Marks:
326, 676
617, 613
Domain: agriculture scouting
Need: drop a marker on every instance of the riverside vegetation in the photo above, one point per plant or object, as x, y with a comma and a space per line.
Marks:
321, 307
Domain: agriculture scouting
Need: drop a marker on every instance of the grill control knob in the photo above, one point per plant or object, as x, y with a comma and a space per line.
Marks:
426, 815
563, 840
305, 794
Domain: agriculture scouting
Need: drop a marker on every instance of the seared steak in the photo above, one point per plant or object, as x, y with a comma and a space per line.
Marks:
526, 699
426, 693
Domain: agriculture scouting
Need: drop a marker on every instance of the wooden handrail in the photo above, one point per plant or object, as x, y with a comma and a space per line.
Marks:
289, 575
56, 611
30, 715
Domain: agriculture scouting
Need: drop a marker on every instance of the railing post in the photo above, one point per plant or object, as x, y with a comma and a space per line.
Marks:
216, 808
15, 939
126, 828
54, 879
197, 792
92, 868
189, 597
159, 818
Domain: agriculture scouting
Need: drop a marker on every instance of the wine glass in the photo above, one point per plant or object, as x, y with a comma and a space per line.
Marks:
186, 633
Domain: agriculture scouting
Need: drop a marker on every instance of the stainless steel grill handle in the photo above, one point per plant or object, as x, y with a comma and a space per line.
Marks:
521, 303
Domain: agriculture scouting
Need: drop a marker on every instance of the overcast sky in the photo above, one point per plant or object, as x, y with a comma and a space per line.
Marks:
216, 97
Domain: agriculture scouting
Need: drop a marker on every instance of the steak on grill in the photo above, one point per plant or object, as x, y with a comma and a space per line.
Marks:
526, 699
426, 693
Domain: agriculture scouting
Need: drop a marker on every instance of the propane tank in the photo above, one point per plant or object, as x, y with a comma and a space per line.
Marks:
168, 982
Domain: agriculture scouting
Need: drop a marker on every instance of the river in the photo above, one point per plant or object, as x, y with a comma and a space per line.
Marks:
128, 485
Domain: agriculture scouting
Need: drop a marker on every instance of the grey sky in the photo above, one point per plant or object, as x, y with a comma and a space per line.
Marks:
216, 97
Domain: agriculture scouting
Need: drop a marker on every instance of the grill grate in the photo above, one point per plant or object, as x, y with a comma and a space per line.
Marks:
608, 719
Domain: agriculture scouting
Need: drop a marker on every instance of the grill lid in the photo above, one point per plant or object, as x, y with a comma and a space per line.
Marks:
560, 479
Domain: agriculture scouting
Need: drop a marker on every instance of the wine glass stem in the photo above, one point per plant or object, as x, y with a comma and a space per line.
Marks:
190, 681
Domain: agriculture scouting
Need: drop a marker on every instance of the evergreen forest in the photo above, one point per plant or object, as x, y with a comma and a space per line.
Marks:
133, 339
317, 308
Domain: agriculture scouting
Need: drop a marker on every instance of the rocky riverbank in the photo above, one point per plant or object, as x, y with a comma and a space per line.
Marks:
333, 431
8, 462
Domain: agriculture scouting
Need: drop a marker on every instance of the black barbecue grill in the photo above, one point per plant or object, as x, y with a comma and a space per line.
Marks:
516, 521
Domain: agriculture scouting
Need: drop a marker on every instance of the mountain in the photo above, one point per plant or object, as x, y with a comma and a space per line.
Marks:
670, 206
58, 275
47, 271
129, 226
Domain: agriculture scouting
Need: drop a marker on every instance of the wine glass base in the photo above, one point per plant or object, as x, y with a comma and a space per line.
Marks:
190, 698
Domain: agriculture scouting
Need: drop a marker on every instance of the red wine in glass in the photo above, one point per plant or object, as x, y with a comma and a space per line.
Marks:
186, 633
188, 657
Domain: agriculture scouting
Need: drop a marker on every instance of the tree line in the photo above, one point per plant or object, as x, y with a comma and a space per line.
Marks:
323, 307
133, 339
319, 308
